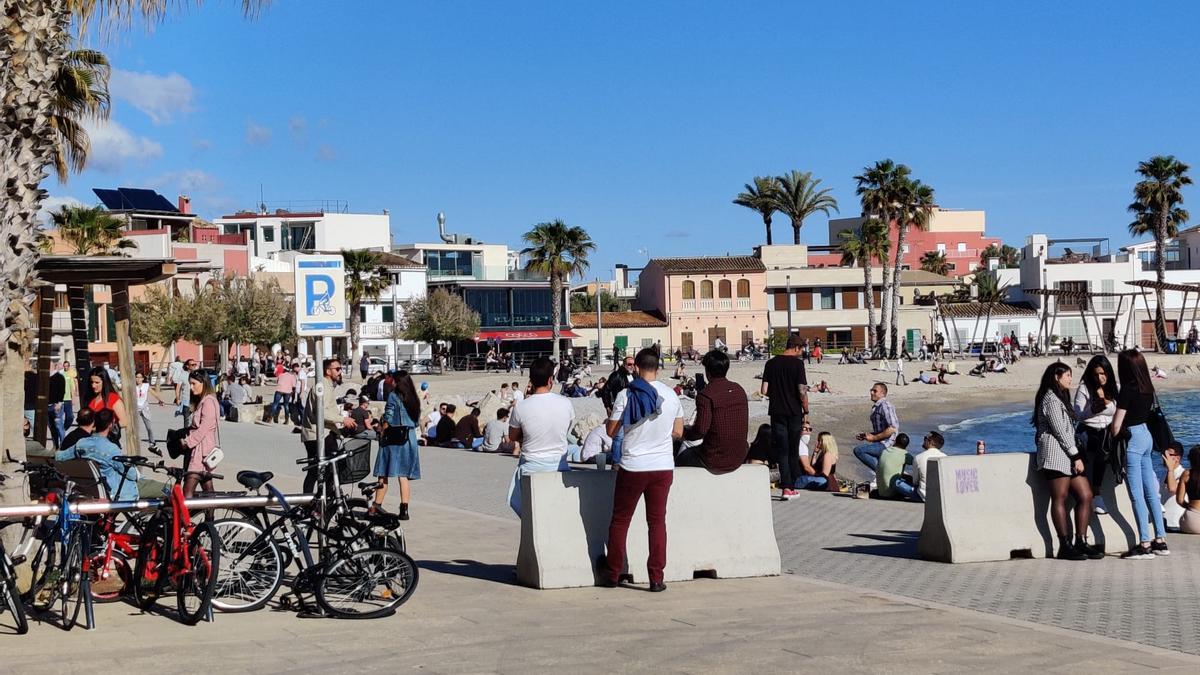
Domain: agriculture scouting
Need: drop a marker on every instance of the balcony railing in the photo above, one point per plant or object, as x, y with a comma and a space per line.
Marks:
689, 305
743, 303
724, 303
706, 305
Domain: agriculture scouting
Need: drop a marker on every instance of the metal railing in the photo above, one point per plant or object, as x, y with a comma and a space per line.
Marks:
195, 503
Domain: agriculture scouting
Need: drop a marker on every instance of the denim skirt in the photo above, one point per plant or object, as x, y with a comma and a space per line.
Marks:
400, 461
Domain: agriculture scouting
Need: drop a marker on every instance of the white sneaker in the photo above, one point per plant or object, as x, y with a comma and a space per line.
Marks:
1099, 504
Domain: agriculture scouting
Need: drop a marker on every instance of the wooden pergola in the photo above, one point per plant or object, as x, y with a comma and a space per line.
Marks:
1046, 326
1186, 289
77, 272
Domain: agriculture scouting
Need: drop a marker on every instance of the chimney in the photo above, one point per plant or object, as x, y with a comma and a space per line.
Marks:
185, 204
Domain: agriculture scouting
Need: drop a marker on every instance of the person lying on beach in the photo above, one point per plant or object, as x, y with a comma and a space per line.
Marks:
823, 388
1159, 373
926, 378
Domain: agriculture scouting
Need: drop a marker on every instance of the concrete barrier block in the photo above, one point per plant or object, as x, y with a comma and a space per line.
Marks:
249, 413
718, 526
997, 507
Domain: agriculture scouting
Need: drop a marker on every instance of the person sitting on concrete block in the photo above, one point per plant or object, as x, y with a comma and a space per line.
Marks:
539, 423
722, 420
931, 446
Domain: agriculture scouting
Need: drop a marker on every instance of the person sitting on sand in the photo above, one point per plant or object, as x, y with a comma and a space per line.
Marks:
823, 388
1158, 373
680, 370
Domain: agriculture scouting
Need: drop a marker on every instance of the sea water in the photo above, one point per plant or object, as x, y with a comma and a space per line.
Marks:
1008, 429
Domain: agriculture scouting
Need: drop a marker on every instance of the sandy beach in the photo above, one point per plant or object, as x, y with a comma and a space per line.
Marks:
845, 412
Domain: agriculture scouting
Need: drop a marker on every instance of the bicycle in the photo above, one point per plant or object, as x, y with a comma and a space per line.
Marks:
348, 579
173, 548
10, 599
61, 567
116, 546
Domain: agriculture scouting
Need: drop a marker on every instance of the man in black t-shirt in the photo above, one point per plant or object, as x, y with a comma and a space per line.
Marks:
785, 384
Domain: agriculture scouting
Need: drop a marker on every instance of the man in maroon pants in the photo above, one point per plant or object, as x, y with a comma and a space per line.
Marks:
652, 417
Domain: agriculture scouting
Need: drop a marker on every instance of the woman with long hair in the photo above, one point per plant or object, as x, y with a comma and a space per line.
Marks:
824, 460
203, 436
1095, 405
1133, 410
104, 396
1187, 494
398, 456
1061, 463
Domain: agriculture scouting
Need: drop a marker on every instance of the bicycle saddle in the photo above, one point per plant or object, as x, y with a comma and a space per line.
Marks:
253, 480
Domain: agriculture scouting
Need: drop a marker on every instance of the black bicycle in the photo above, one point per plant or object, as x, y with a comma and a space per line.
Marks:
60, 567
10, 599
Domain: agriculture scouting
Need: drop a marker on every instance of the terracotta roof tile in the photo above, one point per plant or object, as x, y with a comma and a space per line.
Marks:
971, 310
618, 320
735, 263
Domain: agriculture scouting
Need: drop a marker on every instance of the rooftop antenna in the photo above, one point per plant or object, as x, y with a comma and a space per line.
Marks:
262, 201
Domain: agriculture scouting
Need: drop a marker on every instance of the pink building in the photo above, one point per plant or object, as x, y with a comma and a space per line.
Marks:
957, 234
707, 298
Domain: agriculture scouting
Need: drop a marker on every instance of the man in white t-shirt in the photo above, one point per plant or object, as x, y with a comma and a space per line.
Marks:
931, 447
518, 394
652, 418
539, 425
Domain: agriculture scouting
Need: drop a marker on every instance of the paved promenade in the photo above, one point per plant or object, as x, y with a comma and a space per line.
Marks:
853, 599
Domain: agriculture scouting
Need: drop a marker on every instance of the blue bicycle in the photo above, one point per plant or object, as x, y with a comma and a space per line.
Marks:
60, 566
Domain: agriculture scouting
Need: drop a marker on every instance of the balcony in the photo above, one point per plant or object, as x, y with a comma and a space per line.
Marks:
743, 303
689, 305
724, 304
706, 305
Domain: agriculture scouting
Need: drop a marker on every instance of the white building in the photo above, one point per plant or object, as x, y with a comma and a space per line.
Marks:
460, 261
270, 234
379, 317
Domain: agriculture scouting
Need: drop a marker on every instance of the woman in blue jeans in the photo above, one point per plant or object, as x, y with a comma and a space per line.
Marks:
1134, 403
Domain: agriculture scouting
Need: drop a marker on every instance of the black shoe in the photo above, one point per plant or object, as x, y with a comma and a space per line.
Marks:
404, 512
603, 580
657, 587
1159, 548
1091, 551
1070, 552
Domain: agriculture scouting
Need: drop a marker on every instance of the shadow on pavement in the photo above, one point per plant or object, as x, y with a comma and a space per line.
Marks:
899, 544
501, 574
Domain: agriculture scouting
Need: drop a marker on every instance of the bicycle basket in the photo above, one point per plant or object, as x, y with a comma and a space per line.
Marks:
358, 465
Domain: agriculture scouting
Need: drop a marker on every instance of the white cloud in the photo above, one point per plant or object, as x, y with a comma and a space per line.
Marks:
112, 145
53, 203
187, 181
159, 96
298, 128
326, 153
256, 134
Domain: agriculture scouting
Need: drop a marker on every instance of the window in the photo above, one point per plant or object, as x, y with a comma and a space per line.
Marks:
971, 267
743, 288
362, 314
269, 233
941, 248
531, 307
388, 315
781, 300
1072, 328
449, 263
689, 290
492, 305
685, 339
904, 248
962, 247
298, 237
647, 342
725, 289
706, 290
828, 298
1072, 302
839, 338
60, 302
1107, 303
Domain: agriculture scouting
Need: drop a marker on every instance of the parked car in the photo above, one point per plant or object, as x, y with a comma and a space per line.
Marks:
377, 365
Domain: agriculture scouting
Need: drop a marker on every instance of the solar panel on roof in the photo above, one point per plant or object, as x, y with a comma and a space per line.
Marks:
110, 198
141, 199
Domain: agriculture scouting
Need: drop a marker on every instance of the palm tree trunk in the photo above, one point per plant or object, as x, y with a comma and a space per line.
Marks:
355, 326
77, 304
34, 44
893, 317
767, 223
882, 338
555, 312
796, 232
1160, 271
869, 299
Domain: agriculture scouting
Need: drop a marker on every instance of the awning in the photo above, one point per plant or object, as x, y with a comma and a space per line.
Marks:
506, 335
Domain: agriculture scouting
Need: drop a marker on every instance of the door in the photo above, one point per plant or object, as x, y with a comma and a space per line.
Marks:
685, 340
1148, 333
1108, 328
622, 343
714, 333
747, 338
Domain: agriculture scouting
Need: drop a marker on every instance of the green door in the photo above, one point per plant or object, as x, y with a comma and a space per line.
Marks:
913, 340
622, 343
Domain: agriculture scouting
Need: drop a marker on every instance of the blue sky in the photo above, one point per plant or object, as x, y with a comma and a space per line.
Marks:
641, 121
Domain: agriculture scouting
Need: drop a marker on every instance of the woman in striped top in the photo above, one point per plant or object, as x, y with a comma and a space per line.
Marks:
1061, 463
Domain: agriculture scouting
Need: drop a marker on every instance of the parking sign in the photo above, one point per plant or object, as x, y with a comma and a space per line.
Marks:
320, 295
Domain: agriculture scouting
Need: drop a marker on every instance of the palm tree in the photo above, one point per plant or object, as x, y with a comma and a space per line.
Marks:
878, 190
916, 210
90, 230
863, 247
988, 287
935, 262
760, 197
366, 279
1156, 209
798, 195
80, 91
557, 250
1008, 255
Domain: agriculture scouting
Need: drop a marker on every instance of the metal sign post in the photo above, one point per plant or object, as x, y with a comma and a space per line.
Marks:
320, 313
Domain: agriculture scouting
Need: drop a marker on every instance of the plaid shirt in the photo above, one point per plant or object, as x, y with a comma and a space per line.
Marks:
722, 418
883, 415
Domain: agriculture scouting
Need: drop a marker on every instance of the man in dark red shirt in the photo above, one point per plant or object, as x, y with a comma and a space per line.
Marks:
722, 418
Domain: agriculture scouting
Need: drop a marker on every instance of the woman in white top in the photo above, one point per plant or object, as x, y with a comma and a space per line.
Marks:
1095, 404
143, 399
1187, 494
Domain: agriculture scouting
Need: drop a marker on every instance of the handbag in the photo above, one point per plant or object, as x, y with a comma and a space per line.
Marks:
1159, 428
212, 459
1116, 448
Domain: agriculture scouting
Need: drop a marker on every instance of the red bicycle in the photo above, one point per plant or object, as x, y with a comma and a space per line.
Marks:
115, 547
177, 551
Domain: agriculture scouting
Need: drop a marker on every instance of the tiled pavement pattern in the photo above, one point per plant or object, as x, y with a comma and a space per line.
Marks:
872, 544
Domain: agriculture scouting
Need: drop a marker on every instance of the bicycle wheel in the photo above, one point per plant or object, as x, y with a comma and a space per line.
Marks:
251, 567
11, 600
71, 585
149, 573
367, 583
195, 588
111, 576
44, 568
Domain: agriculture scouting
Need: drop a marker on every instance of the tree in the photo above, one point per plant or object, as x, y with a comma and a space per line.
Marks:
879, 192
916, 209
80, 92
988, 287
863, 247
366, 279
1157, 211
1009, 256
798, 195
557, 250
586, 302
161, 318
439, 316
37, 39
760, 197
256, 313
935, 262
